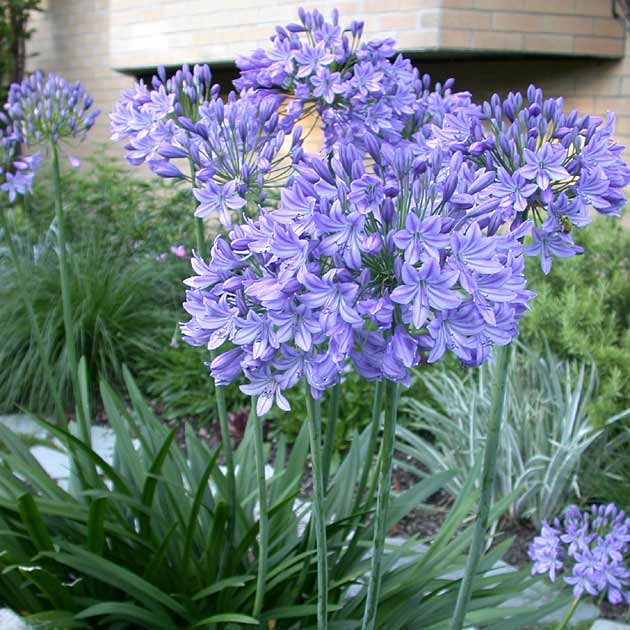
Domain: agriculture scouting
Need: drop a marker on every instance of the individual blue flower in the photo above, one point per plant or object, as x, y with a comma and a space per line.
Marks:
222, 200
266, 387
426, 287
311, 59
421, 238
366, 193
326, 84
548, 245
544, 166
514, 191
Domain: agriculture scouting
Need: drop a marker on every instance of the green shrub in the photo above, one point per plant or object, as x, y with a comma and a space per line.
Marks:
583, 309
128, 211
142, 544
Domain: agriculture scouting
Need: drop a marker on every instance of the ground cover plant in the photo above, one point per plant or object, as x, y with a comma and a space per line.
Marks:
546, 429
401, 242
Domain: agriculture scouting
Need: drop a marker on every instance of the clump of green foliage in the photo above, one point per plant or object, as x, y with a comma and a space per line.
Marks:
142, 542
583, 311
126, 294
120, 313
132, 213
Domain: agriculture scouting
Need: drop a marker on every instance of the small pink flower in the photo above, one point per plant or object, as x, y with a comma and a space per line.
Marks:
179, 251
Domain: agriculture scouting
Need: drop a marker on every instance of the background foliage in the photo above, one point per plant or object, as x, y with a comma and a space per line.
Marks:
583, 310
14, 32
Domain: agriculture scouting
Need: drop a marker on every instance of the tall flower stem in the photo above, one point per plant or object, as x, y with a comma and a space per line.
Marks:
319, 510
567, 617
200, 238
35, 328
226, 444
331, 427
66, 299
377, 405
375, 425
382, 501
263, 519
502, 355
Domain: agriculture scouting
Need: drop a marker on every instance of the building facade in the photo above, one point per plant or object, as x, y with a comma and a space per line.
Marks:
573, 48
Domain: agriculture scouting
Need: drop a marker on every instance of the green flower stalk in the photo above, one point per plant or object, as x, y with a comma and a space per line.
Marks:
568, 615
46, 111
382, 502
319, 510
331, 427
502, 355
66, 298
263, 519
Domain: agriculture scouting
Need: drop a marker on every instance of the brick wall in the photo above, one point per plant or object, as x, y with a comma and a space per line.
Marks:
555, 27
92, 39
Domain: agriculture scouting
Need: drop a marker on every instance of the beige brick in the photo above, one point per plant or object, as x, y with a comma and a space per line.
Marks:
622, 128
458, 4
473, 20
608, 27
605, 86
593, 7
377, 6
572, 25
418, 40
492, 40
452, 38
529, 6
549, 43
429, 19
499, 5
398, 20
520, 22
599, 46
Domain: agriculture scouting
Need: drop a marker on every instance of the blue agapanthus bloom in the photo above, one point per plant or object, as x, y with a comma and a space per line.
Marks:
401, 240
360, 90
233, 148
17, 173
552, 168
48, 108
149, 117
357, 267
237, 152
591, 549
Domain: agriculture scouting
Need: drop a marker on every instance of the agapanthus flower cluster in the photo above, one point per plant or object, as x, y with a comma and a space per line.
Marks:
149, 117
16, 172
357, 267
552, 167
358, 89
591, 549
234, 149
48, 108
402, 239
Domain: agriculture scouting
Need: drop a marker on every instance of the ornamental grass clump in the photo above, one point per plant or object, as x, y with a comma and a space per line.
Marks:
402, 239
590, 550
